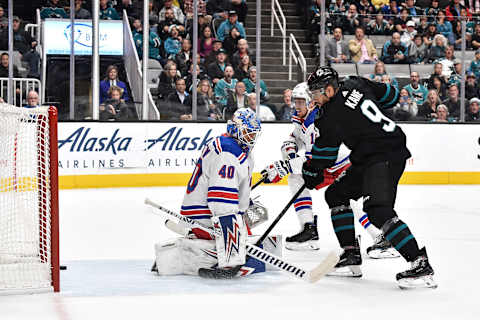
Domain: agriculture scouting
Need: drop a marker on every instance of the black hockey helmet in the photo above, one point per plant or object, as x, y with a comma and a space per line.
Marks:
322, 77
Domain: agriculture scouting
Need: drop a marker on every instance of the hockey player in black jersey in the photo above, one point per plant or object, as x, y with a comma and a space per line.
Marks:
350, 112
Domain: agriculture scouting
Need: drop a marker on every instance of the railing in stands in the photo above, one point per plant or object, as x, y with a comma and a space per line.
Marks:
21, 87
282, 25
299, 60
133, 69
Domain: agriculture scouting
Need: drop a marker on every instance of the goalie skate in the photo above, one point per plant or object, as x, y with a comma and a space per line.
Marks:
382, 249
305, 240
420, 275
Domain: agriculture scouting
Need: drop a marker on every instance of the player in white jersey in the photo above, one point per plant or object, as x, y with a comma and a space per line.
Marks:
218, 193
302, 138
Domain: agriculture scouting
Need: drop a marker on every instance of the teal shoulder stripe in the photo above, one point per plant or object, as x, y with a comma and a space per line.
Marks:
326, 157
385, 96
325, 149
394, 98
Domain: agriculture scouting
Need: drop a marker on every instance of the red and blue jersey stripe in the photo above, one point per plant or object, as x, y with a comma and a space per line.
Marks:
304, 203
364, 221
222, 194
196, 212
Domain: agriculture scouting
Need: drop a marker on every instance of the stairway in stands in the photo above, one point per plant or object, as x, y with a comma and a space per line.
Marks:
273, 72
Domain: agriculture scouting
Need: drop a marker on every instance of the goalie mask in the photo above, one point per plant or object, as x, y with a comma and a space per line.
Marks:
301, 99
244, 127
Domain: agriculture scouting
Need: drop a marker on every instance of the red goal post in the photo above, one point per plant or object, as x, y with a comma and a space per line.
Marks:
29, 226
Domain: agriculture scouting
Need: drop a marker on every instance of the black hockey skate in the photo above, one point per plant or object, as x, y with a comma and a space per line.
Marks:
349, 263
154, 267
382, 249
420, 275
305, 240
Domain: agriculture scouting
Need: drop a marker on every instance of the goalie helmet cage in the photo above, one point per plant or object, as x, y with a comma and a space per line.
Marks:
29, 232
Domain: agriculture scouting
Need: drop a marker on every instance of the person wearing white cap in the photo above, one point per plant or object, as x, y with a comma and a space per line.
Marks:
409, 34
473, 113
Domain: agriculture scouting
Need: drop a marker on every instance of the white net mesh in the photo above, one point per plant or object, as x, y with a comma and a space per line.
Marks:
25, 258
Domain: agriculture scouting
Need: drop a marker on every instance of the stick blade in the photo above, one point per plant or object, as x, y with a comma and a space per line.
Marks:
323, 268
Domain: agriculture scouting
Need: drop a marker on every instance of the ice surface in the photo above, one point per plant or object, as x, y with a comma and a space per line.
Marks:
107, 239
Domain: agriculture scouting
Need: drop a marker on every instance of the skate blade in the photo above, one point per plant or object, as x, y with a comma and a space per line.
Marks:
302, 246
349, 271
384, 254
420, 282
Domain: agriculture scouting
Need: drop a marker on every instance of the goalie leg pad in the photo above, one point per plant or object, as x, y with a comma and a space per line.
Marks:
184, 256
231, 244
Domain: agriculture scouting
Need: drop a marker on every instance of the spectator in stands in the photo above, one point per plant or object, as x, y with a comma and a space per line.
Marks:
437, 72
241, 72
129, 7
417, 51
475, 64
379, 26
173, 44
453, 101
473, 6
228, 24
115, 108
416, 91
154, 42
379, 71
391, 12
476, 37
231, 41
438, 49
107, 12
167, 22
352, 21
471, 87
177, 12
206, 107
361, 49
236, 99
265, 113
4, 61
189, 78
251, 82
366, 9
337, 48
438, 84
25, 44
201, 7
456, 76
111, 79
453, 10
394, 51
429, 36
473, 113
314, 18
406, 108
432, 10
153, 17
205, 42
337, 17
240, 6
218, 9
422, 26
441, 114
243, 50
428, 110
166, 83
379, 4
444, 27
52, 9
3, 19
183, 59
408, 35
216, 70
212, 56
226, 84
400, 22
33, 100
80, 12
179, 101
447, 62
286, 109
413, 11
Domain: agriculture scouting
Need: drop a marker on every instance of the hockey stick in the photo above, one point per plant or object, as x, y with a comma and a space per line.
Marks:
258, 253
259, 182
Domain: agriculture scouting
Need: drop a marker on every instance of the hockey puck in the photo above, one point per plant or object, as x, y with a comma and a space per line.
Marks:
63, 267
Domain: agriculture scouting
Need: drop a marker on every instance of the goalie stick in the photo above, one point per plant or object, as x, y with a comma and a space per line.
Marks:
258, 253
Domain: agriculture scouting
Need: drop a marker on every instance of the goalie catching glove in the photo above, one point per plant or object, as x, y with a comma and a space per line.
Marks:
276, 171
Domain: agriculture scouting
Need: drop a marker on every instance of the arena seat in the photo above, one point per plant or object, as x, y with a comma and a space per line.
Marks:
424, 70
345, 69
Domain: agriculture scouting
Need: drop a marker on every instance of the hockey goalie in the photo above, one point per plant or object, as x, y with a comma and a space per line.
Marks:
218, 196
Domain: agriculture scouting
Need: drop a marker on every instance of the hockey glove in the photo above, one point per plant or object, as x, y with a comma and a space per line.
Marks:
276, 171
330, 175
312, 175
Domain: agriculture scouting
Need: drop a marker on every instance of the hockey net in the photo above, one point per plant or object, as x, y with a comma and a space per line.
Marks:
29, 259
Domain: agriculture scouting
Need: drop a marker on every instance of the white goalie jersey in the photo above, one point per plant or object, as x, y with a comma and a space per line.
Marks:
220, 183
